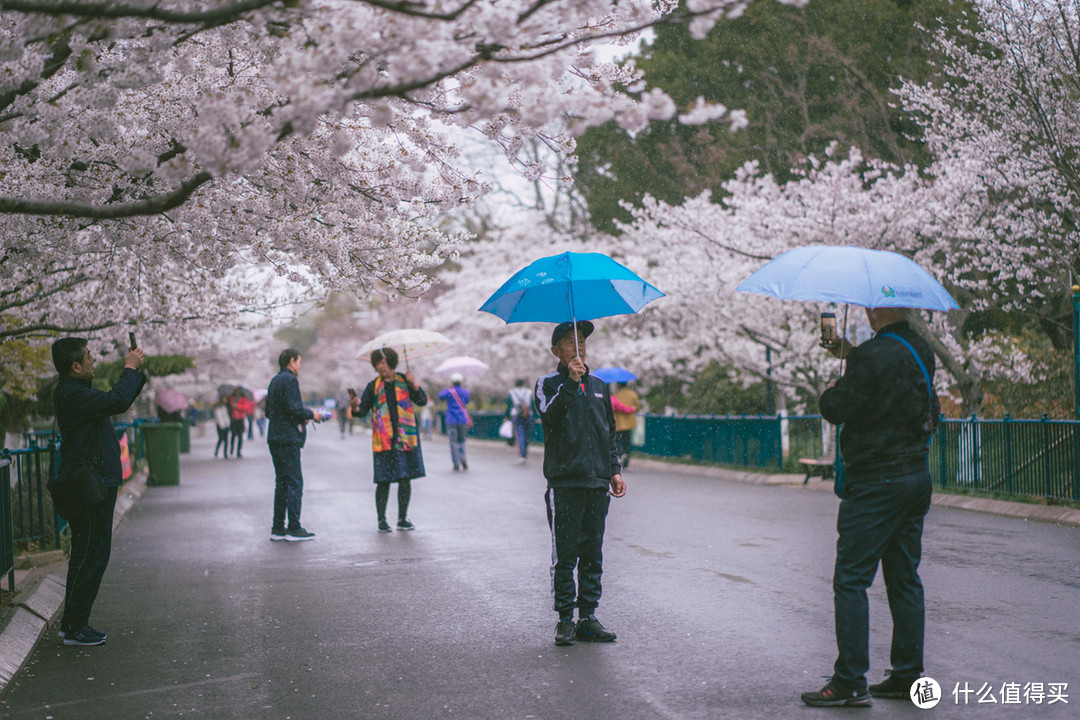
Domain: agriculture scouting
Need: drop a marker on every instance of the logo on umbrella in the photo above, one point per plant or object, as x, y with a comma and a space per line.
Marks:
887, 291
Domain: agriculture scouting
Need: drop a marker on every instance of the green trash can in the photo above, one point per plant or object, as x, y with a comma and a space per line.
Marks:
163, 453
185, 437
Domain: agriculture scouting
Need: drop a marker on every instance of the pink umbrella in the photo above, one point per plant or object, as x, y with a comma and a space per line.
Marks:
170, 400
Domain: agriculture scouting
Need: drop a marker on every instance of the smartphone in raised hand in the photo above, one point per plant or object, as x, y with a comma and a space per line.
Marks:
131, 341
828, 329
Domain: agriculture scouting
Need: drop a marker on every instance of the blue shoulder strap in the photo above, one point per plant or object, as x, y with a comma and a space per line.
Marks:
922, 365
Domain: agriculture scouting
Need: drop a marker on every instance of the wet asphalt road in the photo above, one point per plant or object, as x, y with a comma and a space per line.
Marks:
720, 592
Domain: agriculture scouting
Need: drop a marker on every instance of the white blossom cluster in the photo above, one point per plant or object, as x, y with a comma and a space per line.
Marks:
165, 147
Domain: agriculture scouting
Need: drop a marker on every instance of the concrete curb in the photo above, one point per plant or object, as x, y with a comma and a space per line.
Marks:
36, 606
1026, 511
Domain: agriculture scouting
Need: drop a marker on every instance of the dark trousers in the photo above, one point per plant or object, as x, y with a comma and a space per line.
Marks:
880, 520
91, 546
382, 498
576, 517
237, 441
622, 446
222, 441
288, 485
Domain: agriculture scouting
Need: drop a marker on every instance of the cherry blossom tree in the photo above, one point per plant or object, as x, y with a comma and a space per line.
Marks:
192, 138
993, 216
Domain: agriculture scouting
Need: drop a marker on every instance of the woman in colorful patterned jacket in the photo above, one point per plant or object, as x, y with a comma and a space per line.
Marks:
392, 399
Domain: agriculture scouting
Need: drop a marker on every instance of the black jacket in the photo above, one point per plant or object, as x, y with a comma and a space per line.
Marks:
882, 403
83, 419
579, 430
285, 410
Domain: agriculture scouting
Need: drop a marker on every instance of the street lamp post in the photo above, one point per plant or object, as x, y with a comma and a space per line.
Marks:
1076, 350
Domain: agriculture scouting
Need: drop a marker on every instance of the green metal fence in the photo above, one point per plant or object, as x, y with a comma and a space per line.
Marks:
34, 523
28, 521
1035, 458
1026, 458
7, 539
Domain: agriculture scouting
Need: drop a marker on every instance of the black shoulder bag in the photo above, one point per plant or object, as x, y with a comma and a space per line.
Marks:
76, 488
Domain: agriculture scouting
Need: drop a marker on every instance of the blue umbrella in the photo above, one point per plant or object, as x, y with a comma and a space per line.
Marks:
570, 286
853, 275
614, 374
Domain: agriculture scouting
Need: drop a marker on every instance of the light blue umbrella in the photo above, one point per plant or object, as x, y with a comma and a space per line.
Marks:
570, 286
614, 374
853, 275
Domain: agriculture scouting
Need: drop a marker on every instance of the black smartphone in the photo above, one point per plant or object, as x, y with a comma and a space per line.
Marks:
131, 341
352, 393
828, 328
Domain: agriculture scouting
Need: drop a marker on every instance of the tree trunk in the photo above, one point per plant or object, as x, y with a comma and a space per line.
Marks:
968, 380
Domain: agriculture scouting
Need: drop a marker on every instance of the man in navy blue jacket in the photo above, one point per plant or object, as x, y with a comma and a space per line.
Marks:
582, 468
87, 435
288, 431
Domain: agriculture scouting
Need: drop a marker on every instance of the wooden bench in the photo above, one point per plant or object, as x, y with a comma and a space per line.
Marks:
821, 467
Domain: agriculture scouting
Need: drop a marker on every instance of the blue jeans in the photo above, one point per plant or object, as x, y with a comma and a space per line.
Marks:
91, 546
521, 432
880, 520
288, 485
457, 435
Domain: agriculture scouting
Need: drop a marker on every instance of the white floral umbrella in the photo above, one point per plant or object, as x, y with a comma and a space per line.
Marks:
408, 341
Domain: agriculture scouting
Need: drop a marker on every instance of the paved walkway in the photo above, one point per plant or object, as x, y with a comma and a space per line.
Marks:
195, 583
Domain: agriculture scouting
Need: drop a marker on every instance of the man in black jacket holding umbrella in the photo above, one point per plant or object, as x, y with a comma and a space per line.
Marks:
87, 435
582, 468
888, 408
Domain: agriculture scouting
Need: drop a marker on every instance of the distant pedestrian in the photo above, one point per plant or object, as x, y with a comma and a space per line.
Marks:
86, 431
286, 436
581, 465
887, 407
392, 398
520, 404
223, 423
239, 407
458, 421
625, 402
344, 412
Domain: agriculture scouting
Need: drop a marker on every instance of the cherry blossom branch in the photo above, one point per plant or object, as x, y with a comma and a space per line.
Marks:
147, 206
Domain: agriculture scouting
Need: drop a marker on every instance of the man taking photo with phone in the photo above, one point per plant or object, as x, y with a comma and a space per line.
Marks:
87, 435
887, 406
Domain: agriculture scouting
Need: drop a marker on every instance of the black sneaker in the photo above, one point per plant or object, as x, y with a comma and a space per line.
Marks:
404, 525
384, 527
299, 535
565, 632
894, 687
64, 632
590, 630
464, 465
85, 636
835, 695
278, 534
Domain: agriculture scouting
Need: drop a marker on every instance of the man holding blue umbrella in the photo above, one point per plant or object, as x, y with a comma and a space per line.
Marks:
582, 469
887, 407
581, 462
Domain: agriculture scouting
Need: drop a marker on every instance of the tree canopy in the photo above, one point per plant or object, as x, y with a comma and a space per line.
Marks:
805, 78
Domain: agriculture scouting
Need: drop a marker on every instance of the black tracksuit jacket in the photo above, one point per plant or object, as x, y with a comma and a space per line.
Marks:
579, 430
